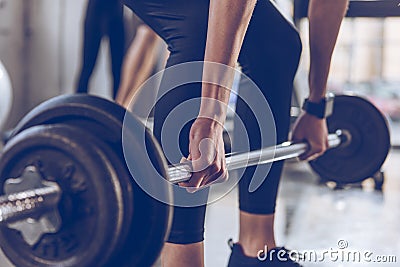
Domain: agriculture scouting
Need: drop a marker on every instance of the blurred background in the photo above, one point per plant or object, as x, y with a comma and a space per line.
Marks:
40, 46
366, 60
41, 49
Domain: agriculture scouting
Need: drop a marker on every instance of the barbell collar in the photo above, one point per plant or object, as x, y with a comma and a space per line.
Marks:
29, 203
182, 172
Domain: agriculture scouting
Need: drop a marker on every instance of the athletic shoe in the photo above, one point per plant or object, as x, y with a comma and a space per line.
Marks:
276, 257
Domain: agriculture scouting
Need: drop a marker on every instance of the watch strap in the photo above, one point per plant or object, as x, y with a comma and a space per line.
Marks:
316, 109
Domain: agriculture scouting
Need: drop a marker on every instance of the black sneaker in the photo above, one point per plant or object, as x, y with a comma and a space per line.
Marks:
277, 257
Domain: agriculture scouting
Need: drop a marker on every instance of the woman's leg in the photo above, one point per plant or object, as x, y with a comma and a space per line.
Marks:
91, 44
138, 63
116, 34
183, 25
269, 56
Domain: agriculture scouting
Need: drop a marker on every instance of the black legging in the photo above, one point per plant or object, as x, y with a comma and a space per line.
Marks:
269, 56
103, 18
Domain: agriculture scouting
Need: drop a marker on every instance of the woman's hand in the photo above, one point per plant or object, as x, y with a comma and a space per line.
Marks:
314, 131
207, 154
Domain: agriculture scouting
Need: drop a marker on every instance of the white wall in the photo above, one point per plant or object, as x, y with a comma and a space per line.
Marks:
40, 46
11, 48
43, 61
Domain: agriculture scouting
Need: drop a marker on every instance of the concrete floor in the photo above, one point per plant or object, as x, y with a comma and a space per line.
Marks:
313, 217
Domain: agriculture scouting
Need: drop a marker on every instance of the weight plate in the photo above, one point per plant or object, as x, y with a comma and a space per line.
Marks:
104, 119
151, 218
94, 114
90, 209
126, 195
369, 145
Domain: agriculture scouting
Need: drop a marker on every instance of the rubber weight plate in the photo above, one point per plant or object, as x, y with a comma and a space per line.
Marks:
369, 145
94, 114
104, 119
126, 195
149, 221
151, 218
91, 208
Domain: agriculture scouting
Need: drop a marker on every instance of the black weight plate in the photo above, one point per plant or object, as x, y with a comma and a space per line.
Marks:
100, 116
105, 119
90, 209
151, 218
369, 146
126, 195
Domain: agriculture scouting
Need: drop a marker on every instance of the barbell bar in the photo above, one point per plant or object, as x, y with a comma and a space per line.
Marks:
25, 204
287, 150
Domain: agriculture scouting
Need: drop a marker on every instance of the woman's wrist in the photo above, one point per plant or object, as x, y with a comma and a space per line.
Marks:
213, 109
207, 124
214, 117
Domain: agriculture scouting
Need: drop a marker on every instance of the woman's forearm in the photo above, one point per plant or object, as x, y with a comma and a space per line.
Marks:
227, 24
325, 17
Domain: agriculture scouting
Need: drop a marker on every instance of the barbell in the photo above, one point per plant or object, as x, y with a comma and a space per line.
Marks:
25, 204
69, 199
183, 171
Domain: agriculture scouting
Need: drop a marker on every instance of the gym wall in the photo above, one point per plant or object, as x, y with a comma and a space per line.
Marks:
40, 43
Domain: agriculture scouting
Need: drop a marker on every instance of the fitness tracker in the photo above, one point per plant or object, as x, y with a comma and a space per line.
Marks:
321, 109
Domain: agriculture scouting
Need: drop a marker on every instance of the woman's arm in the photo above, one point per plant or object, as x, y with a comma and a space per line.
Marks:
325, 17
227, 25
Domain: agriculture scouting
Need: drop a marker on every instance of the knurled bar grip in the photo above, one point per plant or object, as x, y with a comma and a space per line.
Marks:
25, 204
183, 171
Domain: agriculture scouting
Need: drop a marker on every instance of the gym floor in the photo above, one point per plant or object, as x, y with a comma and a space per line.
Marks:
314, 217
311, 216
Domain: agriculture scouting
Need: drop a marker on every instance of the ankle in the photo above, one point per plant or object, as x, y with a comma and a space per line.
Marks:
256, 232
178, 255
252, 248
